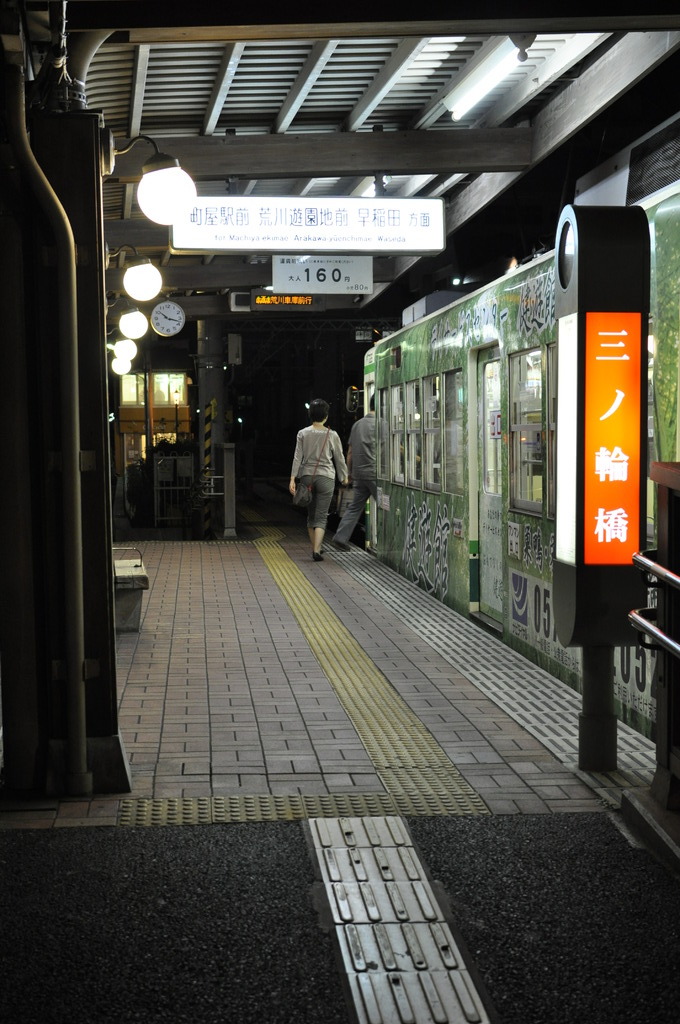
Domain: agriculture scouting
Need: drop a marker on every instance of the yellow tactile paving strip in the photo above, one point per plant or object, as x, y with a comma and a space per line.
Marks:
418, 776
415, 771
261, 807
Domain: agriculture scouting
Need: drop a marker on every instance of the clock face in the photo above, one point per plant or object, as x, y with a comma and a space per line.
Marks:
167, 318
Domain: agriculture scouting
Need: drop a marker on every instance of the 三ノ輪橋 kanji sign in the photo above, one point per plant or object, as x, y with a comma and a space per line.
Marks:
602, 309
612, 462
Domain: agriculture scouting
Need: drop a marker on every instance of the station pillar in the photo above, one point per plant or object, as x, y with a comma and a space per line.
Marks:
602, 267
210, 361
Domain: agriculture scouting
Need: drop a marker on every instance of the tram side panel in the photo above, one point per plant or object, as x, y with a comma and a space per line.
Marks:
466, 414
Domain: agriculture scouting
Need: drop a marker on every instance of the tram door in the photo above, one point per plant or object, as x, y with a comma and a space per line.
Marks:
490, 497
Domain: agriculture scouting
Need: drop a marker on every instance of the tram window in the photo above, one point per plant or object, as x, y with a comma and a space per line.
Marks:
382, 434
551, 384
414, 442
492, 427
397, 433
432, 430
526, 431
453, 431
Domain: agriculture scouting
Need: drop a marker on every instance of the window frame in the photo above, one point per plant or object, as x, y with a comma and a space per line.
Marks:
453, 443
382, 434
492, 430
414, 433
397, 439
526, 434
432, 432
551, 428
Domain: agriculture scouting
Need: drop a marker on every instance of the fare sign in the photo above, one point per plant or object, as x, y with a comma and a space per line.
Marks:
612, 438
323, 275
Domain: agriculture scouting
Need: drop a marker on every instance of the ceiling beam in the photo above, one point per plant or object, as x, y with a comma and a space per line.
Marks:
401, 60
207, 307
139, 232
140, 71
223, 82
237, 273
158, 21
196, 307
304, 83
599, 86
212, 277
337, 154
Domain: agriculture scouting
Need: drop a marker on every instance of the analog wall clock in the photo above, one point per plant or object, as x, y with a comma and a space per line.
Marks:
167, 318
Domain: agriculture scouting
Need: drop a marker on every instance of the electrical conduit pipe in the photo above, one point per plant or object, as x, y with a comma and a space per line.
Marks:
78, 779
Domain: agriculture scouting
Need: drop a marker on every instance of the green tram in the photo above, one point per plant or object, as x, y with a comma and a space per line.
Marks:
465, 403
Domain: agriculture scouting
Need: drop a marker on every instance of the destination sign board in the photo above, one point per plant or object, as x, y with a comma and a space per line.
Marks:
272, 301
299, 224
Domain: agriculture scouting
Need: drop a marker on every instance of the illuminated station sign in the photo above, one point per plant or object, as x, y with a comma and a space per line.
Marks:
285, 302
613, 463
380, 225
602, 309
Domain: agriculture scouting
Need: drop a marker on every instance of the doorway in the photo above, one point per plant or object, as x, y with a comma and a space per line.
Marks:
490, 486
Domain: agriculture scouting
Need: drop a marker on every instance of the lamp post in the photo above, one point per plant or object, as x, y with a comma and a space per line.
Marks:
176, 397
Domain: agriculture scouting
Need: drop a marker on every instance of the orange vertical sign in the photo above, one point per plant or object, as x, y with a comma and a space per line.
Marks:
612, 456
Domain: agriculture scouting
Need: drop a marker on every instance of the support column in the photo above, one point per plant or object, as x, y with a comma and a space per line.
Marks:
68, 149
22, 638
211, 341
229, 489
597, 720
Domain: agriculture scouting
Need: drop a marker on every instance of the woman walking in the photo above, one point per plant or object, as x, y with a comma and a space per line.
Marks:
318, 459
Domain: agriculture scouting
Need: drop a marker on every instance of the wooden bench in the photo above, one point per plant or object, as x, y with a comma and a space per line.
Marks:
131, 578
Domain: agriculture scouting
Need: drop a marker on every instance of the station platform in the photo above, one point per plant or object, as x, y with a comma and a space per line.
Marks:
349, 804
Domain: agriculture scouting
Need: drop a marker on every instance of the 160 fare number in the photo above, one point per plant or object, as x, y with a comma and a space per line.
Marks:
321, 275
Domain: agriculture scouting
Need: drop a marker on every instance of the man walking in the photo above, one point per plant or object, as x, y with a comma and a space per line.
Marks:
361, 466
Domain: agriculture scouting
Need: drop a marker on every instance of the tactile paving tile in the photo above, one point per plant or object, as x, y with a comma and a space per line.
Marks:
170, 811
401, 960
264, 807
412, 766
524, 691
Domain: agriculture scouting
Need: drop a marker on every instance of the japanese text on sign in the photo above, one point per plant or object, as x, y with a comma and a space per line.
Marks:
612, 454
293, 224
323, 275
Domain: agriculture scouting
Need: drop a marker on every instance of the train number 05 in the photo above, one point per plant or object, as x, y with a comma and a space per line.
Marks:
543, 620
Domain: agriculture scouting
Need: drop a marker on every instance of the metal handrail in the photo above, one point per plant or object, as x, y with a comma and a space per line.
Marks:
638, 620
642, 561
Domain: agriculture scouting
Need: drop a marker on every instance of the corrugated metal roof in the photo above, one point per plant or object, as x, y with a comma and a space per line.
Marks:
244, 84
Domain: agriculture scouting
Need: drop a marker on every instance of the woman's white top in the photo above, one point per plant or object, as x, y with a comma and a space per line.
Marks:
309, 448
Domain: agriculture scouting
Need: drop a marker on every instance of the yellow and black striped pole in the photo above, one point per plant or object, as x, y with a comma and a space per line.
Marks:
210, 413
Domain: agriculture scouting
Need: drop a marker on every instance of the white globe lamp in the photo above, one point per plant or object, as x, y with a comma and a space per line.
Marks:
142, 281
120, 366
133, 324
